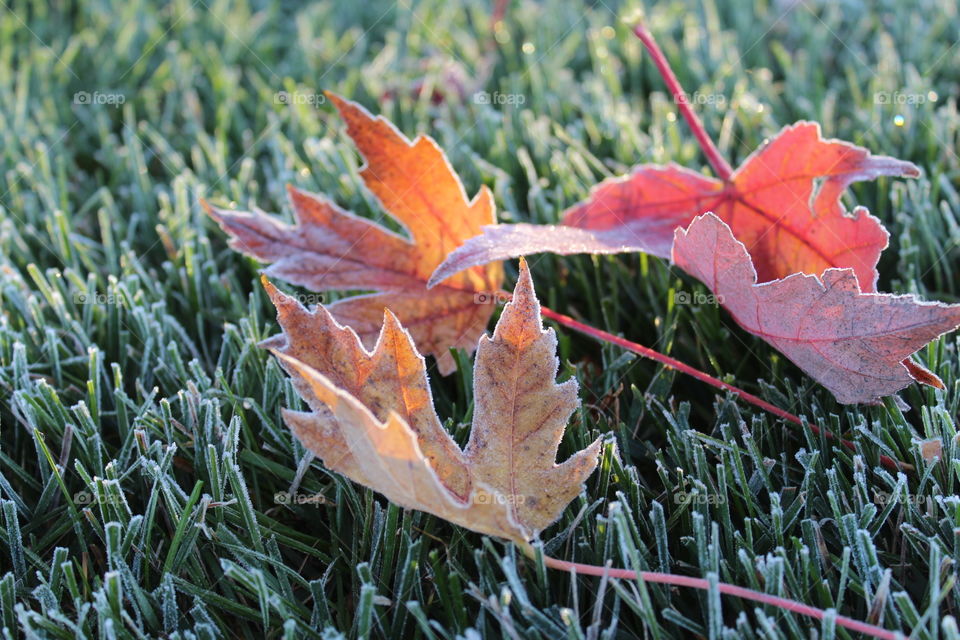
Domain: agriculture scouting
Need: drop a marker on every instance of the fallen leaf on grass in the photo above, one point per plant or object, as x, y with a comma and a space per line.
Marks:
783, 203
851, 342
372, 417
782, 209
329, 248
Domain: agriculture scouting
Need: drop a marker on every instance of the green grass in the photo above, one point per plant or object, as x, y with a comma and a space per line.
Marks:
141, 445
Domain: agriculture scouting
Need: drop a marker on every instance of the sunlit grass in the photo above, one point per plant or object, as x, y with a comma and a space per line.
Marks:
141, 445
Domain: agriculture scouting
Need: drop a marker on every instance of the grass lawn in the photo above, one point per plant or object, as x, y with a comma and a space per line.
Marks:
143, 459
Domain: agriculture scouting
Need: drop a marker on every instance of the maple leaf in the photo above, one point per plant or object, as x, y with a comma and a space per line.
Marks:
783, 203
851, 342
329, 248
372, 417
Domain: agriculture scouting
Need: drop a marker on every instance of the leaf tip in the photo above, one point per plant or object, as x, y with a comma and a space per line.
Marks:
270, 288
438, 275
390, 321
211, 210
521, 319
923, 375
337, 100
523, 292
525, 277
349, 110
910, 170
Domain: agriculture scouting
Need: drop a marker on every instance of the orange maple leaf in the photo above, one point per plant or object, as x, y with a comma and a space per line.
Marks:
372, 417
329, 248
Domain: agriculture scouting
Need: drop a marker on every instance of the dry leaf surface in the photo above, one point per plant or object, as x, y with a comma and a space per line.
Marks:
372, 417
330, 249
792, 248
783, 204
851, 342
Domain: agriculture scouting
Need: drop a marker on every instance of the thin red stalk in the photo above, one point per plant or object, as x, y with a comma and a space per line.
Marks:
717, 161
673, 363
499, 11
740, 592
724, 171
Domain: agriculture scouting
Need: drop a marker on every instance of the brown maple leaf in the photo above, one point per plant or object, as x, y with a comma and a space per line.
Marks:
372, 417
329, 248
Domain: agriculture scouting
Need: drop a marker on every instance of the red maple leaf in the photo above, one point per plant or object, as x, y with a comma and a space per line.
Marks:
782, 209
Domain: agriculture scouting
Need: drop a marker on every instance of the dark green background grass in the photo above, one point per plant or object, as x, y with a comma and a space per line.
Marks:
141, 445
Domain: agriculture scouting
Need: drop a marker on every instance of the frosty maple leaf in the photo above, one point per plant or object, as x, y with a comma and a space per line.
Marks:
782, 205
329, 248
851, 342
372, 417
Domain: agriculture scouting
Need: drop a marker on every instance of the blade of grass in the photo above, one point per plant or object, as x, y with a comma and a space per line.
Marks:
182, 526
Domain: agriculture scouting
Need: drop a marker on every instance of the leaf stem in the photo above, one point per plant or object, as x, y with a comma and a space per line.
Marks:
699, 583
673, 363
716, 160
